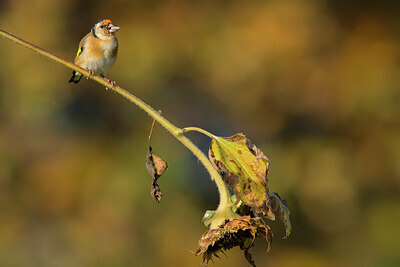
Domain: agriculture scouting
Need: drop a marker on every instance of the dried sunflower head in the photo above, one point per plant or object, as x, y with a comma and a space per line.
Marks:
238, 232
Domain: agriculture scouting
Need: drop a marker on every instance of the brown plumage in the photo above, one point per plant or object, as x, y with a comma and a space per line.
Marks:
97, 50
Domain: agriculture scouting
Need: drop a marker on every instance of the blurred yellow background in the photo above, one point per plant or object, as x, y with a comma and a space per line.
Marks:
314, 84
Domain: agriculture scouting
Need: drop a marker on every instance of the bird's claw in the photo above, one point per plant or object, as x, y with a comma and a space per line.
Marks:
113, 83
90, 74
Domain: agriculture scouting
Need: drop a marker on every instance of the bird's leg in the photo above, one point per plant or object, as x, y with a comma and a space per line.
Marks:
113, 83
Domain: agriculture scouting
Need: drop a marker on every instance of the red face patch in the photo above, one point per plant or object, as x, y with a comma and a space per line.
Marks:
105, 22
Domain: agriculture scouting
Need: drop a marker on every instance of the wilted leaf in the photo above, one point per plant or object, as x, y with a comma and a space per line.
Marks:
281, 209
244, 167
156, 166
237, 232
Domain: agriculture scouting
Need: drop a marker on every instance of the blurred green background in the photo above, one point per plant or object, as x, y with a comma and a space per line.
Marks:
314, 84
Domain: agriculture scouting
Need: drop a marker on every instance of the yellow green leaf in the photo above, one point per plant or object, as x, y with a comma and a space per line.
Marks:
244, 168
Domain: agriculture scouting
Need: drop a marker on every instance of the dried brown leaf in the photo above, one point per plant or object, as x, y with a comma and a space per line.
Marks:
156, 166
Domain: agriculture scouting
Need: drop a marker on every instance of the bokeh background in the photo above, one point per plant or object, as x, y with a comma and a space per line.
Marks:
314, 84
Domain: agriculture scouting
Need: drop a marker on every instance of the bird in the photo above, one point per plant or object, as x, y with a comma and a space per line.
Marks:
98, 50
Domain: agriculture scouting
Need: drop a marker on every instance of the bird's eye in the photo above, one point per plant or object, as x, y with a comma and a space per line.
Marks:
102, 26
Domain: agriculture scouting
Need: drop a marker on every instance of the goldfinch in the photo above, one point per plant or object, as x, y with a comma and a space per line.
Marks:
98, 50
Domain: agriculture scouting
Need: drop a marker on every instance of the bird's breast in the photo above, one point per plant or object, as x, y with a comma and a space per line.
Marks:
110, 48
98, 55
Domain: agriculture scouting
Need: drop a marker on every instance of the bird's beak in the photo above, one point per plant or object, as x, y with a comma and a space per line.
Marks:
112, 27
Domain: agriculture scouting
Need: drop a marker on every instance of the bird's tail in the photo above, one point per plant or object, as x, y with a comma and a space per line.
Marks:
76, 77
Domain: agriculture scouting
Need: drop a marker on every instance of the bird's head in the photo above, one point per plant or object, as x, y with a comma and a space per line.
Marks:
104, 29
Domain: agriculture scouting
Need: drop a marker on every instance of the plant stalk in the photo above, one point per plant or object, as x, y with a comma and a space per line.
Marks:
225, 202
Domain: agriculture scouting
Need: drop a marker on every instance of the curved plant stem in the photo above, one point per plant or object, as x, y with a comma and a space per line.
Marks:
225, 202
196, 129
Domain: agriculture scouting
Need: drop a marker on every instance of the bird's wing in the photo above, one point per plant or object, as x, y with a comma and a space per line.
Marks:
82, 44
